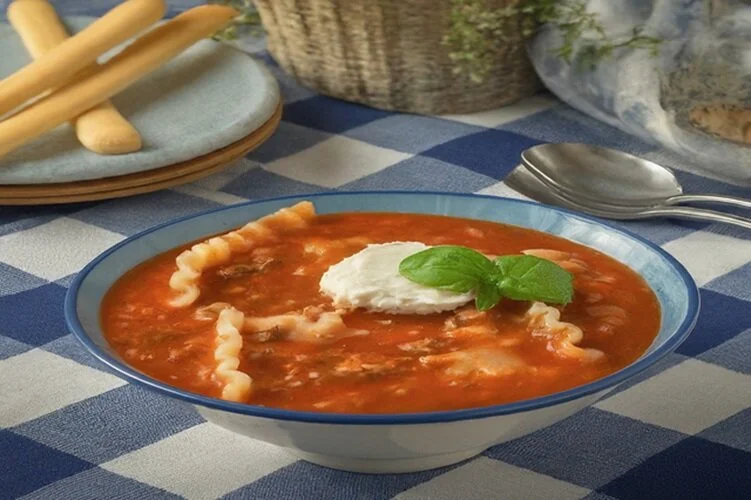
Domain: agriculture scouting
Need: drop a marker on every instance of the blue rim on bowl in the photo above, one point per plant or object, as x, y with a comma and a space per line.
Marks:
126, 372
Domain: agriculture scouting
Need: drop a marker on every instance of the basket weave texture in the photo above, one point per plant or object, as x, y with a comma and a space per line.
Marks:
388, 54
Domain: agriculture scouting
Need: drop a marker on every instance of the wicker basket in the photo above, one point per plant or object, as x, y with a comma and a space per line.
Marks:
387, 54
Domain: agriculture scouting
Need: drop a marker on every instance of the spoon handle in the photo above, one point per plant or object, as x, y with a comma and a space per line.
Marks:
732, 201
699, 214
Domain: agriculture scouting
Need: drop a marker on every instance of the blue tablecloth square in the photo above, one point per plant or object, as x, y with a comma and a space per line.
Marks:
693, 468
28, 465
493, 153
590, 448
25, 320
723, 318
330, 115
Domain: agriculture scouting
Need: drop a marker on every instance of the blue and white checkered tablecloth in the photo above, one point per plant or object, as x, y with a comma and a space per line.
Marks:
70, 429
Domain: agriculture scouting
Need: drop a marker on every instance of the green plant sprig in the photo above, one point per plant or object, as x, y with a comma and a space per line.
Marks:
247, 20
462, 270
478, 33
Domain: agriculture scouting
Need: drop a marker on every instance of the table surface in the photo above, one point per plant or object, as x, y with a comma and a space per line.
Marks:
71, 429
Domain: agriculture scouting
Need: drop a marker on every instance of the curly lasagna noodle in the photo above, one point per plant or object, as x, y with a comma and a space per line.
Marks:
247, 317
545, 321
219, 249
312, 325
229, 342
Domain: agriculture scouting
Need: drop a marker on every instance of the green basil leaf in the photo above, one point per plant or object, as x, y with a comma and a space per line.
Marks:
524, 277
488, 295
454, 268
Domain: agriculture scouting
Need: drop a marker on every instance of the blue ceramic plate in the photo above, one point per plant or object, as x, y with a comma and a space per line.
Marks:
211, 94
676, 290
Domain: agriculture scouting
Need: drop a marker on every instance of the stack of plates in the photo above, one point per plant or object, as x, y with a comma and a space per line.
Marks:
196, 114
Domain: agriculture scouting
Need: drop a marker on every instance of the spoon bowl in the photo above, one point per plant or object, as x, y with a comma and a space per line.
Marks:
610, 178
602, 174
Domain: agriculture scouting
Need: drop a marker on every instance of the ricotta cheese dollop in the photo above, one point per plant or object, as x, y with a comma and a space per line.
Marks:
370, 279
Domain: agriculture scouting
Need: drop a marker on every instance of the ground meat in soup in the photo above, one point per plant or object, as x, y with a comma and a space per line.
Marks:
366, 362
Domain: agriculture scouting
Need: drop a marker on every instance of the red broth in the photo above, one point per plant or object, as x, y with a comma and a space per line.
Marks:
383, 371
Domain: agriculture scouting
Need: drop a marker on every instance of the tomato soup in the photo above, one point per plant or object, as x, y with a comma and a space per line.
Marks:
289, 347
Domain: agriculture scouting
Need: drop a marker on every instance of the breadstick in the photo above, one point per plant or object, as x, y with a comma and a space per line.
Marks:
60, 64
102, 129
145, 55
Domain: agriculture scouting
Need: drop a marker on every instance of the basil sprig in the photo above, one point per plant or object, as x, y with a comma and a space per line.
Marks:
517, 277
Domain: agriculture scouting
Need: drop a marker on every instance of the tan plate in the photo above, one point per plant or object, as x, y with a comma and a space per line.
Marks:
141, 182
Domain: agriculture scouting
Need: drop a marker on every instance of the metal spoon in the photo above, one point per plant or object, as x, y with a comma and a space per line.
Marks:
525, 182
612, 178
